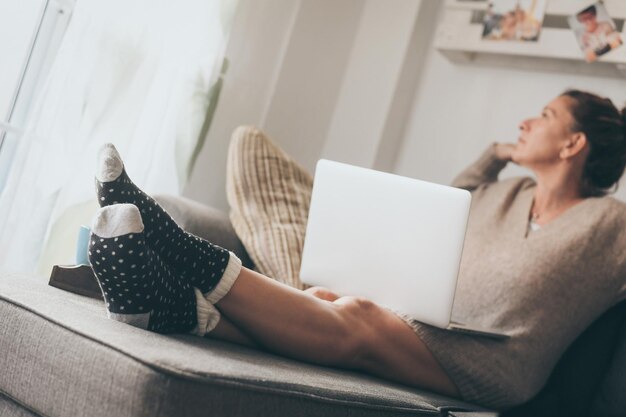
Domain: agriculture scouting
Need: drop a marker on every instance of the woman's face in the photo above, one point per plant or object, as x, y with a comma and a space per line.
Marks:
589, 20
543, 137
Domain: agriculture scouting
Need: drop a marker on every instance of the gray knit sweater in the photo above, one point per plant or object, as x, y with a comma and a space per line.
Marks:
543, 288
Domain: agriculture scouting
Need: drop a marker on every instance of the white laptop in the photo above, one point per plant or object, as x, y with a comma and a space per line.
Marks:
394, 240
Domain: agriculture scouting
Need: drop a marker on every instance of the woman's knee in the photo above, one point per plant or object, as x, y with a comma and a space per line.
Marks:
357, 306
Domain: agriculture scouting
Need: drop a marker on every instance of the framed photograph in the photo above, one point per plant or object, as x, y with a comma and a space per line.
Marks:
514, 20
595, 31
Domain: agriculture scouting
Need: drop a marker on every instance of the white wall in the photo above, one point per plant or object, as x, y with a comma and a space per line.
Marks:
321, 77
287, 61
311, 76
369, 87
259, 35
459, 109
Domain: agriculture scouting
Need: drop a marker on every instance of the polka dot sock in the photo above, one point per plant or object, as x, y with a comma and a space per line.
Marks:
138, 287
203, 264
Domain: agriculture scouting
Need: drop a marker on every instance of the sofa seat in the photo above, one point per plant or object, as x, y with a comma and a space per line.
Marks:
61, 356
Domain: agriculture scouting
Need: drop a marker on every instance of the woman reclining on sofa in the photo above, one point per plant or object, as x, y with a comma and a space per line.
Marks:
542, 259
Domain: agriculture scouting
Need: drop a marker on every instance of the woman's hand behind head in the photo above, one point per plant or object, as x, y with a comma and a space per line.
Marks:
504, 151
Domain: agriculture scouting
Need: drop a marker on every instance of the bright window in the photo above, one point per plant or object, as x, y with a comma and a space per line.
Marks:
136, 73
30, 33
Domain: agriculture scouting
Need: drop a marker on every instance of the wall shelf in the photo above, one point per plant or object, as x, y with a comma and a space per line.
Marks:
458, 37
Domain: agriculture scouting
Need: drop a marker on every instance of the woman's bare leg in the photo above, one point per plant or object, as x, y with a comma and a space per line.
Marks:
226, 329
348, 332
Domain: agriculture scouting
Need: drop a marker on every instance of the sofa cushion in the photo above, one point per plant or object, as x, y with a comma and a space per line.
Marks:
571, 389
610, 399
269, 196
61, 356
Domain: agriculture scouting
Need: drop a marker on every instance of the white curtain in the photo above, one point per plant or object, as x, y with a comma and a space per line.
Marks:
133, 72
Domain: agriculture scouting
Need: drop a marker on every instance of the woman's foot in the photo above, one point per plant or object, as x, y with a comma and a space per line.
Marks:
203, 264
139, 288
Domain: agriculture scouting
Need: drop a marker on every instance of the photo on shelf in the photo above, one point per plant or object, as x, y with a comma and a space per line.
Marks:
595, 31
514, 20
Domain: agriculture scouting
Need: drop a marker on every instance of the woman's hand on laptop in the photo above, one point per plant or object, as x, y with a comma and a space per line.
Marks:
322, 293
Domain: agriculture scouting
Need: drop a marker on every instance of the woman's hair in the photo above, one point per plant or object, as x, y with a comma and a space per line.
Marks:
605, 128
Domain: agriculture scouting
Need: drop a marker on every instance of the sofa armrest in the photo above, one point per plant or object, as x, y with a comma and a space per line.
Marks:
206, 222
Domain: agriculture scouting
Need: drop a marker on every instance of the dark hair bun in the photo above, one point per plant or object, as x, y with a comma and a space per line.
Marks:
605, 128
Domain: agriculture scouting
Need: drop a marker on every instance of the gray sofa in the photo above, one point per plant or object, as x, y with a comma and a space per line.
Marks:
61, 356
